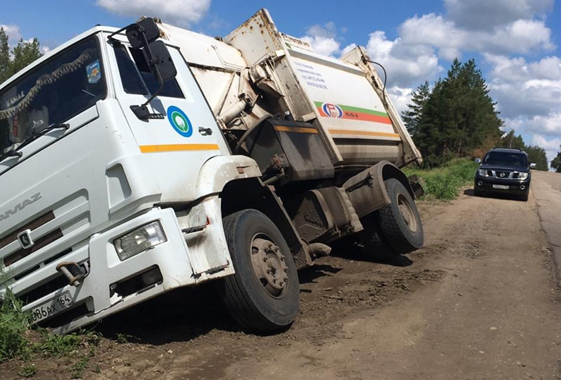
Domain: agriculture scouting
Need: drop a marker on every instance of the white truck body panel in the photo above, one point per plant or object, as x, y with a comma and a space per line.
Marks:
344, 97
339, 97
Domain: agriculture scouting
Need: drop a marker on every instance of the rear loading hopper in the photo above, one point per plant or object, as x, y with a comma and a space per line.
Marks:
345, 99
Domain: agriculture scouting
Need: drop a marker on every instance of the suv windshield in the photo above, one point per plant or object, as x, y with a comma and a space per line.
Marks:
506, 159
59, 89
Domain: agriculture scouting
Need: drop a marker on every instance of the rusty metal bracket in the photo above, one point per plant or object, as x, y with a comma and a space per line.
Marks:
73, 272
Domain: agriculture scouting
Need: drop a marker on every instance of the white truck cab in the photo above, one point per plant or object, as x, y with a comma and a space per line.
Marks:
128, 168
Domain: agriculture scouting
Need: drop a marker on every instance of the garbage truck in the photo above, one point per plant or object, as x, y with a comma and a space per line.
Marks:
138, 160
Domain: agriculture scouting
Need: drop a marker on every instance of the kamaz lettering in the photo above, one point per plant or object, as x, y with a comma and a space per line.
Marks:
20, 206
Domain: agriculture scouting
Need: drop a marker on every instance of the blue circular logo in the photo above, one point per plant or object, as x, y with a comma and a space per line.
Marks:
180, 122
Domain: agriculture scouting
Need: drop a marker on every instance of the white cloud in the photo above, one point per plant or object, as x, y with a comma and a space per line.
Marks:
405, 64
517, 69
400, 97
551, 146
177, 12
528, 94
549, 125
520, 36
487, 15
13, 32
323, 39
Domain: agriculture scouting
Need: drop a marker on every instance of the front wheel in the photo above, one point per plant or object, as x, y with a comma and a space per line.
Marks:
264, 294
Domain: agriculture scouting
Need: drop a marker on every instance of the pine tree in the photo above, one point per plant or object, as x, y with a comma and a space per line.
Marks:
458, 117
430, 138
511, 141
556, 162
413, 115
537, 156
24, 54
5, 63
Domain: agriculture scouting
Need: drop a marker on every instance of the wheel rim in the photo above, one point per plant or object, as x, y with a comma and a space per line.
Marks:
269, 265
406, 211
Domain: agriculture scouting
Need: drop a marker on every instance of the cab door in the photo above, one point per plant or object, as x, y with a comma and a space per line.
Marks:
173, 145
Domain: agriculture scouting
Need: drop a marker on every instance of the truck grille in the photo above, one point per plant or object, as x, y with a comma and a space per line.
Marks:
43, 219
39, 243
502, 174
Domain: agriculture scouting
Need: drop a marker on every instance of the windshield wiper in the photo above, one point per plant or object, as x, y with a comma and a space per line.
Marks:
14, 150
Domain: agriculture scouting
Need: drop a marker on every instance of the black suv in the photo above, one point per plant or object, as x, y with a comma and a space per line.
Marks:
504, 171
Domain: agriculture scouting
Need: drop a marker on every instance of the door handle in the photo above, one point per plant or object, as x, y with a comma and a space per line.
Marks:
205, 131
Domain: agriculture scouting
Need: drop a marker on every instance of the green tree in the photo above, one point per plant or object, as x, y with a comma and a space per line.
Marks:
24, 54
458, 117
556, 162
511, 141
413, 115
538, 156
19, 57
5, 62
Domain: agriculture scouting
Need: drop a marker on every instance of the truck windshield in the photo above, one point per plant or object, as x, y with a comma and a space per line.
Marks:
506, 159
59, 89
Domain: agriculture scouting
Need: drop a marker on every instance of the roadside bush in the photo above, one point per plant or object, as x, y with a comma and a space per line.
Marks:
446, 182
14, 322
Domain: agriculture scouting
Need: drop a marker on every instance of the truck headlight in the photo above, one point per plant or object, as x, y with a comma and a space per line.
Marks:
482, 172
139, 240
522, 175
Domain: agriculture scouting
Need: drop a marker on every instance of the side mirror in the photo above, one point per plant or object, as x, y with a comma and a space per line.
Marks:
533, 165
478, 160
143, 36
161, 66
142, 33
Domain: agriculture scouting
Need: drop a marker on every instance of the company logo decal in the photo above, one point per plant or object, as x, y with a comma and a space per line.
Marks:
341, 111
332, 110
180, 122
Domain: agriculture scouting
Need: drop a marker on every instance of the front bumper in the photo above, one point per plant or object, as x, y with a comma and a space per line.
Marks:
98, 295
514, 187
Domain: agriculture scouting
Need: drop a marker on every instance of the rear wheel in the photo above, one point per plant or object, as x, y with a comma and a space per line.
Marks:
370, 241
264, 294
399, 222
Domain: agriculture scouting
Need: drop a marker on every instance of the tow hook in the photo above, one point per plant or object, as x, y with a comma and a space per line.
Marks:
73, 272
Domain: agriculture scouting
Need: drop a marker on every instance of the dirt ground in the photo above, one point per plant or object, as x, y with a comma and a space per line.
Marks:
479, 301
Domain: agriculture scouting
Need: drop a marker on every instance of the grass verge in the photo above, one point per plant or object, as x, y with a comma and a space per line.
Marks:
18, 340
445, 183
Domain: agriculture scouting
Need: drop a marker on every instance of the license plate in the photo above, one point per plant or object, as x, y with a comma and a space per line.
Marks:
502, 187
51, 307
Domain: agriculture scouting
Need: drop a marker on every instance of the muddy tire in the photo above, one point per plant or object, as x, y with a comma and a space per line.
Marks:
478, 193
371, 242
399, 222
263, 295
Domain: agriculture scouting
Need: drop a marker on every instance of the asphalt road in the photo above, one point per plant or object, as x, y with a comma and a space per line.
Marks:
547, 192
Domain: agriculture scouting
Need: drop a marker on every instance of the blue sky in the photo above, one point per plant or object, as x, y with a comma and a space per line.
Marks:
515, 42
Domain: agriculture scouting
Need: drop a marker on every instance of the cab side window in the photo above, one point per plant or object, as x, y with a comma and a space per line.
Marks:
137, 78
